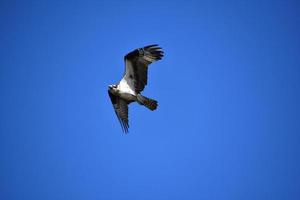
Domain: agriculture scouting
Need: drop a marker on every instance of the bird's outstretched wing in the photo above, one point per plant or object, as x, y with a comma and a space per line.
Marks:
137, 63
121, 110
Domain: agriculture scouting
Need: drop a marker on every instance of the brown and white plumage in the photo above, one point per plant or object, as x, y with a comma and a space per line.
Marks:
121, 110
133, 82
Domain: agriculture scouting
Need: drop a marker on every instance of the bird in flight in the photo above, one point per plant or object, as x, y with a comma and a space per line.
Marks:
134, 80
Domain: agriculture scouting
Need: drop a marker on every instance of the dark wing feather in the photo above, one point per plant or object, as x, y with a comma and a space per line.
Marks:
121, 110
137, 63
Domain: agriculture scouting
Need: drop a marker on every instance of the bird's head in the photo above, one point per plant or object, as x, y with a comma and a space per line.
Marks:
112, 88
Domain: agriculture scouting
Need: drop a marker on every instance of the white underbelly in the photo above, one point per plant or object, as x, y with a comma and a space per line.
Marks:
124, 87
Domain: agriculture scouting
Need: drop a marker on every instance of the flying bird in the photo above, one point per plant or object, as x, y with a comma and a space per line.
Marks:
134, 80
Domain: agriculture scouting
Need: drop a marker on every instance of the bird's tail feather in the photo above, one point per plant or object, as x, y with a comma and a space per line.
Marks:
149, 103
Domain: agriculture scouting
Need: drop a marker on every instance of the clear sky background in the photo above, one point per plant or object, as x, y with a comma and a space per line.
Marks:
227, 126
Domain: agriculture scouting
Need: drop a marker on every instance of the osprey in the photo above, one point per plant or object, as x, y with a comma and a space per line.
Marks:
134, 80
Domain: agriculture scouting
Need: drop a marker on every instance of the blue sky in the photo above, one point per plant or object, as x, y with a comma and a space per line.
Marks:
227, 125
